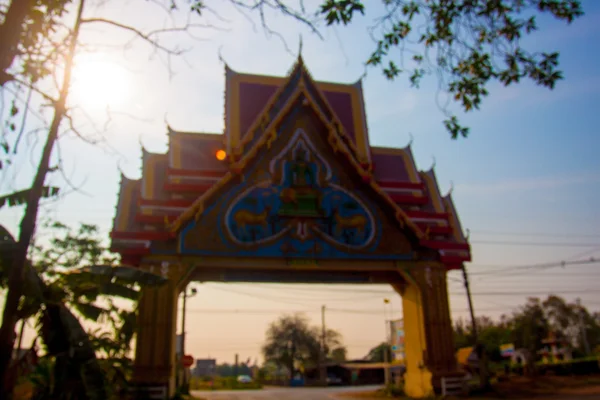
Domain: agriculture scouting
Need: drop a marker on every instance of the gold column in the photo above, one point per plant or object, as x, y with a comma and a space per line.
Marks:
428, 331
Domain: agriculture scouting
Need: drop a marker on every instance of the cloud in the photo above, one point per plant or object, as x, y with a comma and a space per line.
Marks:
549, 182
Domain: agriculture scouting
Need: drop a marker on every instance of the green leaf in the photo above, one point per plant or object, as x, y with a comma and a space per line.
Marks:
337, 11
111, 289
127, 274
89, 311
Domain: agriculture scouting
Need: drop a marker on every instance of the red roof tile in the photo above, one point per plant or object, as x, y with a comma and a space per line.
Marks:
195, 151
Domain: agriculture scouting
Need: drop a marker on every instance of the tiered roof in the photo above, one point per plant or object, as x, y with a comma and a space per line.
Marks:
175, 186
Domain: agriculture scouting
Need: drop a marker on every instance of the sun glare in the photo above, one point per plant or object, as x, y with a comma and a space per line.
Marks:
221, 155
99, 82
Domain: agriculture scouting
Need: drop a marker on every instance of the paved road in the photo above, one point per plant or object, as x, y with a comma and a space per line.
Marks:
281, 393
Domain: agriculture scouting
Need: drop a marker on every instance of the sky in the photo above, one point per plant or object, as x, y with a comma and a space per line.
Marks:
525, 182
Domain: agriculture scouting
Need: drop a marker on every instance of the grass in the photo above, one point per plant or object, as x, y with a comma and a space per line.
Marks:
222, 383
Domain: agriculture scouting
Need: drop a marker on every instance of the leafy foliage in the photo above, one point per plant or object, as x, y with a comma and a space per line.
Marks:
73, 277
465, 43
293, 344
377, 353
531, 324
28, 29
20, 197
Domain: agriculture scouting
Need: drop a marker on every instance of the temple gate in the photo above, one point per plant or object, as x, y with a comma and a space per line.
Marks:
291, 192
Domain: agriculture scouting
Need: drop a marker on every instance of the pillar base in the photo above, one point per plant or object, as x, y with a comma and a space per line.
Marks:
418, 384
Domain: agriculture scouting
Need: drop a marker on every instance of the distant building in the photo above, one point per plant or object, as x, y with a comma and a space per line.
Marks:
356, 372
205, 367
521, 357
555, 350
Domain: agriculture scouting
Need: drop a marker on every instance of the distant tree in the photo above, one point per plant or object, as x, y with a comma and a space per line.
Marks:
531, 324
338, 355
334, 349
289, 343
292, 343
492, 335
462, 334
224, 370
377, 353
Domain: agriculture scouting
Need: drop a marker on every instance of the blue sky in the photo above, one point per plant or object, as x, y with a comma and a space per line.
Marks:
530, 164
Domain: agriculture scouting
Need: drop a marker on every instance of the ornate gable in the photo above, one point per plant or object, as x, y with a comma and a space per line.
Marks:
296, 186
302, 196
251, 102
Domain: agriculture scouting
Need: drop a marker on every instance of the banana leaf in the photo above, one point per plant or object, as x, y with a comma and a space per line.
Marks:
77, 373
89, 311
20, 197
124, 292
124, 274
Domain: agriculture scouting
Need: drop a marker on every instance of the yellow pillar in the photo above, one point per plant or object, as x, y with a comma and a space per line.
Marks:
429, 344
154, 364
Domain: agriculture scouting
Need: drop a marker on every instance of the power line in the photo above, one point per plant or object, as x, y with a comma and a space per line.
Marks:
546, 244
545, 292
294, 300
537, 266
537, 234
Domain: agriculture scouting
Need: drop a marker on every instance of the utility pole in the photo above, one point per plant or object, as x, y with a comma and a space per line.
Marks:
467, 288
183, 323
185, 296
479, 350
322, 355
586, 344
386, 355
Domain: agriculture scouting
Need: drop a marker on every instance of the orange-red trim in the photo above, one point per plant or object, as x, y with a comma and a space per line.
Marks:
426, 214
187, 187
206, 173
166, 203
401, 185
154, 219
455, 259
407, 198
142, 235
440, 230
441, 245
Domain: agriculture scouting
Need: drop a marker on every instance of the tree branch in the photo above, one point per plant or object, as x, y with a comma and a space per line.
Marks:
148, 37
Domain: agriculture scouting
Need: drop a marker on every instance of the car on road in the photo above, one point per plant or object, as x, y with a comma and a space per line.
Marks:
334, 380
244, 379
